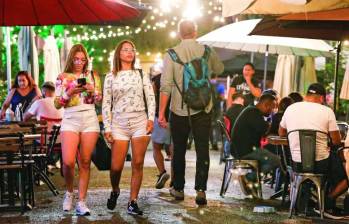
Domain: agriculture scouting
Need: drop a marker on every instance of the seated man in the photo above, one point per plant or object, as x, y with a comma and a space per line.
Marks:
311, 114
235, 109
45, 107
247, 132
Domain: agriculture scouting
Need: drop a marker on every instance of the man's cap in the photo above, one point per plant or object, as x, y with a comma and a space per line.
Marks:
317, 88
49, 85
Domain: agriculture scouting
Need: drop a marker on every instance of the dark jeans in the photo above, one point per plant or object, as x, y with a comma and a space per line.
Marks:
267, 162
180, 129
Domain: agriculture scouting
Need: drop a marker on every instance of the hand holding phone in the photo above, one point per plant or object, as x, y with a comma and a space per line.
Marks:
81, 81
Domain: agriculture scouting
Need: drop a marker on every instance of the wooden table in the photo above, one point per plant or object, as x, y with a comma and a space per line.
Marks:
277, 140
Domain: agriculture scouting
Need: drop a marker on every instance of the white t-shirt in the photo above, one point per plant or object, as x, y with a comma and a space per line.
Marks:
46, 108
308, 115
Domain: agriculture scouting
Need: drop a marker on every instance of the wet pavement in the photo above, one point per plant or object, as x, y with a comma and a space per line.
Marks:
158, 205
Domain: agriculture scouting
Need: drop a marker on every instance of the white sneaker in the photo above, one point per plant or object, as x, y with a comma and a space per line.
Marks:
68, 201
82, 209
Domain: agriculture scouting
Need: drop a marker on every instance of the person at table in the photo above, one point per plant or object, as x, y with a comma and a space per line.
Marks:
45, 108
235, 109
23, 92
311, 114
127, 93
77, 90
246, 135
296, 97
276, 118
246, 84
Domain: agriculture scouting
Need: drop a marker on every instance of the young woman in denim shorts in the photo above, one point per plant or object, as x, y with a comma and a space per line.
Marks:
127, 94
77, 90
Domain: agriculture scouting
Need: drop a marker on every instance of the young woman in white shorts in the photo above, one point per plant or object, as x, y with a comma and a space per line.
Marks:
126, 95
77, 90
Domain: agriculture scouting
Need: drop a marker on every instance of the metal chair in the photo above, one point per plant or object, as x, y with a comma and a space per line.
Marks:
307, 143
343, 129
235, 163
16, 169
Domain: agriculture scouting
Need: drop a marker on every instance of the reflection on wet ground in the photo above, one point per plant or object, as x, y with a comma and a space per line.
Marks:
158, 205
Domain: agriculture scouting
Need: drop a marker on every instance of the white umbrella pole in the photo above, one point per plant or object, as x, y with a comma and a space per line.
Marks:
339, 48
265, 66
8, 57
31, 47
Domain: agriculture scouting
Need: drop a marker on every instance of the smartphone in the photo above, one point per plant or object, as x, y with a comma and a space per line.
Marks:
81, 81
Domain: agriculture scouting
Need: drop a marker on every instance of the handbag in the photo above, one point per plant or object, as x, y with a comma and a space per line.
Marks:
101, 155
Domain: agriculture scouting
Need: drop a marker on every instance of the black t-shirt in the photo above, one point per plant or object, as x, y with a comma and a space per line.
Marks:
233, 113
240, 85
275, 122
248, 131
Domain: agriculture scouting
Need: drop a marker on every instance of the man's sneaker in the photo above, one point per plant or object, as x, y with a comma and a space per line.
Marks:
200, 198
177, 194
82, 209
330, 215
68, 201
132, 208
163, 177
111, 203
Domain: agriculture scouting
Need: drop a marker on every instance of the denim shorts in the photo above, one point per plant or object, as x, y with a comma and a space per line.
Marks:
80, 121
129, 125
160, 135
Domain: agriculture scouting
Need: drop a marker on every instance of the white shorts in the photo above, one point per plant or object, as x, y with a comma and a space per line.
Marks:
80, 121
129, 125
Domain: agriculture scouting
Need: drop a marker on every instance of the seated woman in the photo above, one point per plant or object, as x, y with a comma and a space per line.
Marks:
276, 118
23, 92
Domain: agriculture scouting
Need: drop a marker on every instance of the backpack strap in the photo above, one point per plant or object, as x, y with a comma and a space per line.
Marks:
174, 56
206, 52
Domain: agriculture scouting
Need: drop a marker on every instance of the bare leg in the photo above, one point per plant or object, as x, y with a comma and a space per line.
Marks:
70, 142
88, 143
346, 157
139, 147
158, 157
119, 151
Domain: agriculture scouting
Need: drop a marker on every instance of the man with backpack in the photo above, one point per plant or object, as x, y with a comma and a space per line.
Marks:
186, 78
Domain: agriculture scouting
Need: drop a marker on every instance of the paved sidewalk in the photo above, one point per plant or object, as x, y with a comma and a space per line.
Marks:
158, 206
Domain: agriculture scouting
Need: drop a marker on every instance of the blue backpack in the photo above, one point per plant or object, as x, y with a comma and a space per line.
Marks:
196, 90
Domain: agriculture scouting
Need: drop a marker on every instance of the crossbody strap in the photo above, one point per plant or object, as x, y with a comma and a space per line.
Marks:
144, 98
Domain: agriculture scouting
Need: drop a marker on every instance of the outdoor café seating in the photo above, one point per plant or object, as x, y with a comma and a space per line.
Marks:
23, 162
16, 171
236, 163
307, 141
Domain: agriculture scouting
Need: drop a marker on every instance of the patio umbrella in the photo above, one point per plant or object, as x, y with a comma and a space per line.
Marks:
27, 51
345, 86
279, 7
284, 79
67, 45
67, 12
320, 25
235, 36
51, 59
53, 12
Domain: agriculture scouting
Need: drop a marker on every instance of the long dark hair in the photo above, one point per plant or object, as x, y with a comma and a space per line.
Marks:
70, 64
117, 61
31, 83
